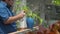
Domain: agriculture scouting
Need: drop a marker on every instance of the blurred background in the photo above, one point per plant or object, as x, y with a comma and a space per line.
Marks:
48, 10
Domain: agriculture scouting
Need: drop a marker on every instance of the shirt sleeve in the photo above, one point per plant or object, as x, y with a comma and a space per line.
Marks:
4, 14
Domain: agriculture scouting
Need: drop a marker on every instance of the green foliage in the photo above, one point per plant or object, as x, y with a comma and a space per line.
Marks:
56, 2
30, 13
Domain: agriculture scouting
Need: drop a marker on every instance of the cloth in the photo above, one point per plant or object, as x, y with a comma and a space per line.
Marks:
5, 13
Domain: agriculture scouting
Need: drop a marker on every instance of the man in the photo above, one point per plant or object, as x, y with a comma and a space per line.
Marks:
7, 19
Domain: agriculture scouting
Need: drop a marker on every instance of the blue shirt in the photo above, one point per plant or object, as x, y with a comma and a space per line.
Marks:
5, 13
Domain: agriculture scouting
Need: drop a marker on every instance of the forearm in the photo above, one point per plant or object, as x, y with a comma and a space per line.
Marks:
13, 19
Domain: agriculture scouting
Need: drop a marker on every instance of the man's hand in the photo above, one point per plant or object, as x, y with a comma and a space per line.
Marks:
22, 14
15, 18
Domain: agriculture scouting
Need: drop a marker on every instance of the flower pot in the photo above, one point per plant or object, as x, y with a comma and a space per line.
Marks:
30, 22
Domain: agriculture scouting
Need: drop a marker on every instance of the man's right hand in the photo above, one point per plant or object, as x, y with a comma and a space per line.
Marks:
15, 18
22, 14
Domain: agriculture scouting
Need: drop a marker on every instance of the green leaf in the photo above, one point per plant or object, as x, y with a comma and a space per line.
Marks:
56, 2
